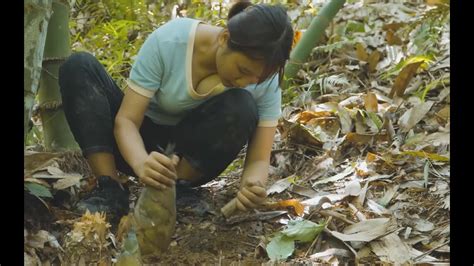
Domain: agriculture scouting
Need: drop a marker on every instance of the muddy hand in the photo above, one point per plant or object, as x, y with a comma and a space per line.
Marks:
249, 196
159, 169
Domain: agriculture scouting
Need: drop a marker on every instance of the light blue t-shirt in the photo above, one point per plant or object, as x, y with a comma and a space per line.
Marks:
162, 72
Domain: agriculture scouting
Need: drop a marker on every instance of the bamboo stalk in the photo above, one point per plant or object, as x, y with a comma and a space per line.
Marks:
57, 135
310, 38
36, 19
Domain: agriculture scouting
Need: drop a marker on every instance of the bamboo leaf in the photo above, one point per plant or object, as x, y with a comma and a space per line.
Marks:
402, 80
426, 173
281, 185
294, 203
392, 38
345, 119
376, 119
38, 190
424, 59
302, 230
282, 245
370, 102
414, 115
280, 248
361, 53
349, 170
373, 60
423, 154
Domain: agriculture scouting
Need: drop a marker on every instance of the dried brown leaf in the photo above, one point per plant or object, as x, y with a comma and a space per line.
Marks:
37, 181
298, 134
353, 188
361, 53
53, 170
391, 249
351, 102
436, 2
423, 154
67, 182
367, 230
295, 205
349, 170
305, 116
373, 60
323, 165
370, 102
345, 119
403, 78
303, 191
357, 138
39, 160
443, 115
370, 157
281, 185
328, 254
392, 38
377, 208
414, 115
393, 26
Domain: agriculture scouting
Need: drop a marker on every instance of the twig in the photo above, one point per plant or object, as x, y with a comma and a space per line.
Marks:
357, 213
248, 243
316, 149
283, 150
220, 257
390, 232
316, 239
312, 245
429, 251
336, 215
432, 214
318, 207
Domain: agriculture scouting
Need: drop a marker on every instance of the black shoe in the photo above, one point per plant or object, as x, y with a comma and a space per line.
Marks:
189, 200
108, 197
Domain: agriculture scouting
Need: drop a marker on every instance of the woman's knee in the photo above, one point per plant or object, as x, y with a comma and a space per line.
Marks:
75, 62
73, 69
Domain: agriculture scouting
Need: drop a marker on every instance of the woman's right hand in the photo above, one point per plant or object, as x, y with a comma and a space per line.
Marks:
158, 170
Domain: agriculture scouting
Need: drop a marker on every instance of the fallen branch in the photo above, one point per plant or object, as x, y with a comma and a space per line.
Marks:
431, 250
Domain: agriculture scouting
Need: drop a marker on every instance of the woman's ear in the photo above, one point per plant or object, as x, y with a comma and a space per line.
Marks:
224, 36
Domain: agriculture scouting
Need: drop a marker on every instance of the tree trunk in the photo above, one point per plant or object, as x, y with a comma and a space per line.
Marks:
57, 135
310, 38
36, 17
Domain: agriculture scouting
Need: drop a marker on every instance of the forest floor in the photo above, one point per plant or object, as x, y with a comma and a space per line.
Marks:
360, 168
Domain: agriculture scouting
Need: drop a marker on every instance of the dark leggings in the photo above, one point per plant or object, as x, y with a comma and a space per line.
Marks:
209, 136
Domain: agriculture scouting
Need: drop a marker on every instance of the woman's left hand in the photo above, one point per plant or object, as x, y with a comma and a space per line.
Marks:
250, 196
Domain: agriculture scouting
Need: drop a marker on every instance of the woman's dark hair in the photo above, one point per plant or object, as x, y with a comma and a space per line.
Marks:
261, 32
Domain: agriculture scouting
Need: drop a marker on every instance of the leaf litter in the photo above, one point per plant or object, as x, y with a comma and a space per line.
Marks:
363, 146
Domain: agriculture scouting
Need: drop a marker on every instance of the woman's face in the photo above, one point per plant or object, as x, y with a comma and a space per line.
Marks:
234, 68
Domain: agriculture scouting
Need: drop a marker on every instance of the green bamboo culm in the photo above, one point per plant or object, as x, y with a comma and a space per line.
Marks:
57, 135
310, 38
36, 18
